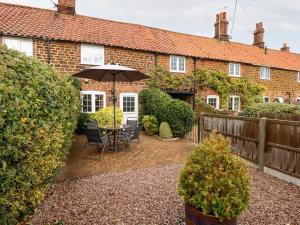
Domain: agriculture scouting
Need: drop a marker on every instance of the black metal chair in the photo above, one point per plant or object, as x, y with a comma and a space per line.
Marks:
129, 135
94, 136
132, 122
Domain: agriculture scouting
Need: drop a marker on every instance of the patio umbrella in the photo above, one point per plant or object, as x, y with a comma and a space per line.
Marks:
111, 72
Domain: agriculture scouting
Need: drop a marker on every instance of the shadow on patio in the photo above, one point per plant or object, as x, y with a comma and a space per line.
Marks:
156, 153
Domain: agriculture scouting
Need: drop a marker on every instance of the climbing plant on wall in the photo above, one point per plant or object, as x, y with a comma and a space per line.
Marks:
218, 81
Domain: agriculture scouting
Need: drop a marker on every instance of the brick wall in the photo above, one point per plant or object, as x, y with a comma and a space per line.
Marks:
65, 58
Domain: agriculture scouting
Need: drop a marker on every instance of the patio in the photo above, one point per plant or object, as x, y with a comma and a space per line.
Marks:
156, 153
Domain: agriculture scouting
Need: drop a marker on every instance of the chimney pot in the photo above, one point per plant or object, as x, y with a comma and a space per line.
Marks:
221, 27
285, 48
259, 35
66, 7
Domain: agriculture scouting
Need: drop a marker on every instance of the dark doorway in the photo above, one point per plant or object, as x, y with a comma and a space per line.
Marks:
187, 96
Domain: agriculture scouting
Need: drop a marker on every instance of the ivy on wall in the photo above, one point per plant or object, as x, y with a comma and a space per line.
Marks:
218, 81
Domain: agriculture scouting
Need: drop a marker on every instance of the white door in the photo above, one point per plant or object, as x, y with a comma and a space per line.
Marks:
129, 105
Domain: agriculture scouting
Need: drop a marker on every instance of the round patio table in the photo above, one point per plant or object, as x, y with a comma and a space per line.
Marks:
115, 130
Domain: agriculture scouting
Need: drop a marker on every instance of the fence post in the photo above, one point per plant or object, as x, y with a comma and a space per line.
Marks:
262, 143
201, 127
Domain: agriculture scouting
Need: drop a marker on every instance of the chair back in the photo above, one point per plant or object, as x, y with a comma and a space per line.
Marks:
92, 133
137, 130
132, 122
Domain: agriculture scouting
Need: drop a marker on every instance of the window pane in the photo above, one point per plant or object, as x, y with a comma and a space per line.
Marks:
230, 103
93, 55
212, 102
237, 103
173, 63
237, 69
231, 69
128, 104
86, 103
99, 104
181, 64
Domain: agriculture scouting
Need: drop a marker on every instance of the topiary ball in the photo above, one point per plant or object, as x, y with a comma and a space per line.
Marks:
165, 131
214, 180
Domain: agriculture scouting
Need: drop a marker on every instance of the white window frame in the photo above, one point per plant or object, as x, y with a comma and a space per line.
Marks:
281, 100
265, 98
235, 65
93, 93
233, 103
135, 95
298, 77
217, 102
20, 40
94, 48
177, 70
263, 70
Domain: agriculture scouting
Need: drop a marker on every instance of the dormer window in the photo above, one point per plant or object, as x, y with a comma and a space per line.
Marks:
234, 69
177, 64
265, 73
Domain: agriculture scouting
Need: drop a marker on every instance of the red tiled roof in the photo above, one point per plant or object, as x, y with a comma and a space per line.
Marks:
36, 22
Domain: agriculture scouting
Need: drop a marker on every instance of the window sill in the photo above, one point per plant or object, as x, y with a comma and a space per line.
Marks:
238, 76
177, 71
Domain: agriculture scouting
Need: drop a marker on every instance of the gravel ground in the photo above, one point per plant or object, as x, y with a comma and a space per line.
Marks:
148, 196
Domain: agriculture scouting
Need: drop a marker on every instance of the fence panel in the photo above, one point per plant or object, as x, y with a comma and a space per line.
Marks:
268, 142
242, 132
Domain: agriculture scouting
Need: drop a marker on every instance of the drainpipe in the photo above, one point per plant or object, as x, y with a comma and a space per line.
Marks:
47, 39
194, 84
155, 59
49, 50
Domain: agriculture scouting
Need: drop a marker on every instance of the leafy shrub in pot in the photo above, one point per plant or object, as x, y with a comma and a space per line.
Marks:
165, 131
38, 114
150, 124
105, 116
215, 181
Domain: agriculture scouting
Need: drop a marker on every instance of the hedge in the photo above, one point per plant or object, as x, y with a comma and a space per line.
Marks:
271, 108
38, 114
177, 113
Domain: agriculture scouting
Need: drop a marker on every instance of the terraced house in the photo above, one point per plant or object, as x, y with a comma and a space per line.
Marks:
71, 42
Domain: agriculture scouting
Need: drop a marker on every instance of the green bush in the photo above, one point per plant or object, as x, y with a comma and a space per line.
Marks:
214, 180
179, 115
271, 108
150, 124
81, 122
151, 102
38, 114
105, 116
165, 131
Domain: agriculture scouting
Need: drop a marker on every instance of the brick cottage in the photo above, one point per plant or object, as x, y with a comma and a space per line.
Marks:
71, 42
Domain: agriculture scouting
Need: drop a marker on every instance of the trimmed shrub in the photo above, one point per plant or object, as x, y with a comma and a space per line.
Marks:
165, 131
38, 114
271, 108
150, 124
105, 116
81, 122
151, 101
214, 180
179, 115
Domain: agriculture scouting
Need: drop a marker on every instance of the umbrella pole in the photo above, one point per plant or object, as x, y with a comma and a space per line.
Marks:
114, 101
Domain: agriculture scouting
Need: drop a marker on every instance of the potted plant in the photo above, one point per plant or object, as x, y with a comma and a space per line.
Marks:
214, 183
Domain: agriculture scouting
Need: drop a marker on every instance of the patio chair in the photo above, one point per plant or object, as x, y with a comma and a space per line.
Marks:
130, 135
132, 121
94, 136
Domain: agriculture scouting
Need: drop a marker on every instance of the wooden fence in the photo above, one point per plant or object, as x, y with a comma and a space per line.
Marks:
280, 116
266, 142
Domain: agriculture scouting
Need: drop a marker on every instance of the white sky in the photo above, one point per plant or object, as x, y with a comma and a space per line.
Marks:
281, 17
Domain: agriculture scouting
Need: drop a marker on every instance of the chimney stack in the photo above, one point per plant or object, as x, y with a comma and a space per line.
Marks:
259, 35
221, 27
66, 7
285, 48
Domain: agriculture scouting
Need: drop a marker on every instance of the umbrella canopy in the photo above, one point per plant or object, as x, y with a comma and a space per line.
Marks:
111, 72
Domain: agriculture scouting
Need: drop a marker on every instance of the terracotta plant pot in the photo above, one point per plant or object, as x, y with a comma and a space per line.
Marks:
195, 217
